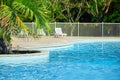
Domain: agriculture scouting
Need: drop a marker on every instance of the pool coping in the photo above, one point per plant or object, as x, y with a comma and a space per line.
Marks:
56, 42
44, 49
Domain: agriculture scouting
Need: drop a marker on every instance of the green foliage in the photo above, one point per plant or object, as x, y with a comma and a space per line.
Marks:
65, 10
114, 13
80, 10
11, 12
98, 8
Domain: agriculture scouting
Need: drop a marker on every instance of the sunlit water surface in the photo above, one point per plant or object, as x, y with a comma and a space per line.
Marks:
93, 60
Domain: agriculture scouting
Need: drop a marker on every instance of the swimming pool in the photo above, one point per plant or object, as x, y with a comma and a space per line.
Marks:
84, 60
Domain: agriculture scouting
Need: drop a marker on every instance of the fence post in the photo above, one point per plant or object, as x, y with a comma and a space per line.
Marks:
78, 29
54, 27
71, 34
102, 29
33, 26
55, 24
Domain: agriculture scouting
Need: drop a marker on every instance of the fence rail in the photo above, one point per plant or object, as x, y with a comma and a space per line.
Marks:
84, 29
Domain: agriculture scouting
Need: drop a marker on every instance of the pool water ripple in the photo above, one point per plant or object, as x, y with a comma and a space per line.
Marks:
82, 61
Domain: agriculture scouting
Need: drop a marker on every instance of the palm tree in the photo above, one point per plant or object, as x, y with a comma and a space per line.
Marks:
10, 19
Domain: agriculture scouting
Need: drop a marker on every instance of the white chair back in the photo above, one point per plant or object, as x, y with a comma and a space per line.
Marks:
58, 31
41, 32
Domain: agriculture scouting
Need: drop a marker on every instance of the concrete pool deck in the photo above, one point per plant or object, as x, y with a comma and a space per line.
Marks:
50, 41
47, 42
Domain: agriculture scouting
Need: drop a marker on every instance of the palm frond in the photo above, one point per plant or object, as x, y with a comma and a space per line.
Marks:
30, 9
9, 19
10, 14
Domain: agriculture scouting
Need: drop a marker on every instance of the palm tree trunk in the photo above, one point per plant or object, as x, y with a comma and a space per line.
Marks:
3, 47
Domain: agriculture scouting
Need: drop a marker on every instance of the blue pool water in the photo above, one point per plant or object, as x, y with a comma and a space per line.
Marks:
93, 60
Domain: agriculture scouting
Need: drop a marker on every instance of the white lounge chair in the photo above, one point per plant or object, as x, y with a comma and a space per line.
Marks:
23, 34
58, 32
41, 32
